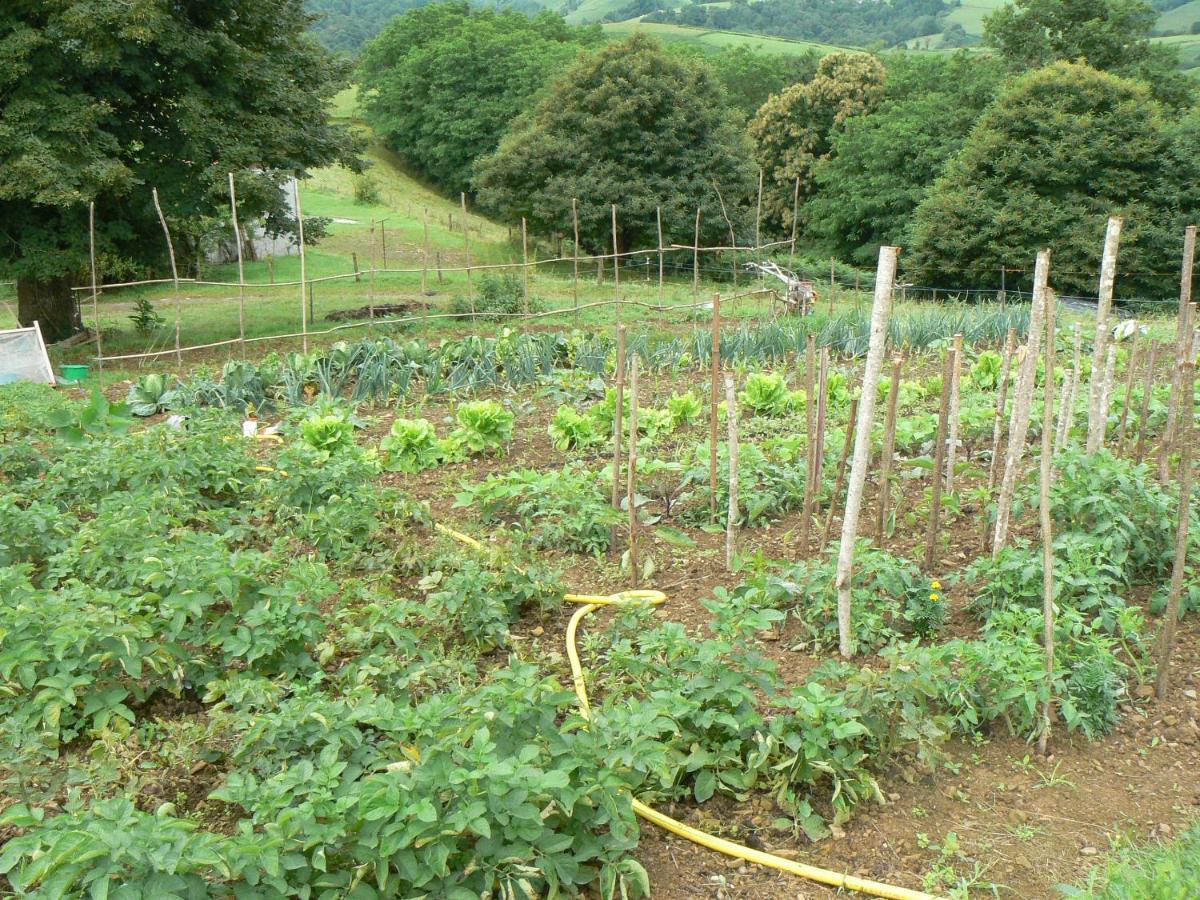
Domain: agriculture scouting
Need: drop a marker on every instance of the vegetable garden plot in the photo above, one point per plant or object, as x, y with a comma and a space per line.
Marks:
268, 661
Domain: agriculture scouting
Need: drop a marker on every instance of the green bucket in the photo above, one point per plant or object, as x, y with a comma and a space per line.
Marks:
73, 374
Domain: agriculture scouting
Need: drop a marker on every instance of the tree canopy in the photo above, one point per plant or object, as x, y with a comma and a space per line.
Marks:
101, 101
630, 125
1110, 35
1057, 153
881, 164
441, 84
795, 129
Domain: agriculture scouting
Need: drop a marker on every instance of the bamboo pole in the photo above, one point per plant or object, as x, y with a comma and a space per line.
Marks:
371, 276
955, 405
1010, 346
795, 210
1181, 342
731, 520
462, 198
617, 416
303, 265
237, 237
658, 215
616, 265
1108, 275
885, 278
95, 291
1066, 415
696, 260
575, 259
1046, 475
1018, 427
713, 403
939, 460
424, 250
1106, 386
524, 266
1139, 452
1122, 429
840, 480
810, 438
631, 492
889, 449
1185, 440
162, 220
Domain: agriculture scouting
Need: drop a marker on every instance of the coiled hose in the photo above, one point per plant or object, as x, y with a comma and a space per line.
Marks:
590, 603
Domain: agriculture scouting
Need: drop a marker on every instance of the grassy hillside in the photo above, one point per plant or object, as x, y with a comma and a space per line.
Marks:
718, 40
1180, 18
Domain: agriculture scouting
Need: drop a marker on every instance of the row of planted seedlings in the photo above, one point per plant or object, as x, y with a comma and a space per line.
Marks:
345, 740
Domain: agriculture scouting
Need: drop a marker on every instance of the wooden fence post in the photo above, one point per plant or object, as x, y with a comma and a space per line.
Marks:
1018, 427
95, 289
810, 392
1108, 275
731, 420
889, 450
939, 459
617, 416
237, 238
713, 403
1046, 525
1185, 439
175, 278
955, 403
880, 311
631, 476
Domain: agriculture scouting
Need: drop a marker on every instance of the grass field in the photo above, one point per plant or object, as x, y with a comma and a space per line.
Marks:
719, 40
1180, 18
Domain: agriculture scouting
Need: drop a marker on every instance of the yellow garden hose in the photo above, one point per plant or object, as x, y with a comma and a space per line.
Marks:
591, 603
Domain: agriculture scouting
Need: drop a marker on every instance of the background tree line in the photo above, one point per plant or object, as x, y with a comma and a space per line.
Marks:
969, 161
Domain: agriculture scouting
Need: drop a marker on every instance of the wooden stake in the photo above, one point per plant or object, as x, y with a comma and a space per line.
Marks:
1144, 415
371, 277
1110, 368
818, 458
1108, 275
1018, 427
939, 459
424, 251
758, 215
712, 418
889, 450
955, 393
162, 220
696, 261
524, 267
658, 214
1182, 338
303, 265
1066, 415
383, 242
1044, 516
617, 416
732, 515
575, 259
95, 280
462, 198
810, 441
1185, 439
1010, 346
885, 278
840, 480
616, 266
1128, 394
237, 237
631, 492
792, 245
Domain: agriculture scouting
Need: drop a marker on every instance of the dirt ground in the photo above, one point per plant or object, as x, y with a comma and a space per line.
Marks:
1019, 824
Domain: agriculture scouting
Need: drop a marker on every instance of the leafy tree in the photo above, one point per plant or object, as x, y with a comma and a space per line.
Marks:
750, 77
630, 125
1057, 153
1110, 35
100, 101
795, 129
882, 163
442, 83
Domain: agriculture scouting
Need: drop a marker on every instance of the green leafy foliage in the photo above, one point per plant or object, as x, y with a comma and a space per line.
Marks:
684, 409
330, 433
564, 509
151, 394
97, 418
410, 446
485, 426
571, 430
766, 393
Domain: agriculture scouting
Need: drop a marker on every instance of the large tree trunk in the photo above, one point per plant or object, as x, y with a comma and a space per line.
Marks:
52, 304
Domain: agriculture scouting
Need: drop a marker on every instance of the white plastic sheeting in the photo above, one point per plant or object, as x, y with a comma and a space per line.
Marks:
23, 357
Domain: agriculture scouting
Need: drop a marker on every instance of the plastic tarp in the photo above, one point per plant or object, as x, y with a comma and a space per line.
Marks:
23, 357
